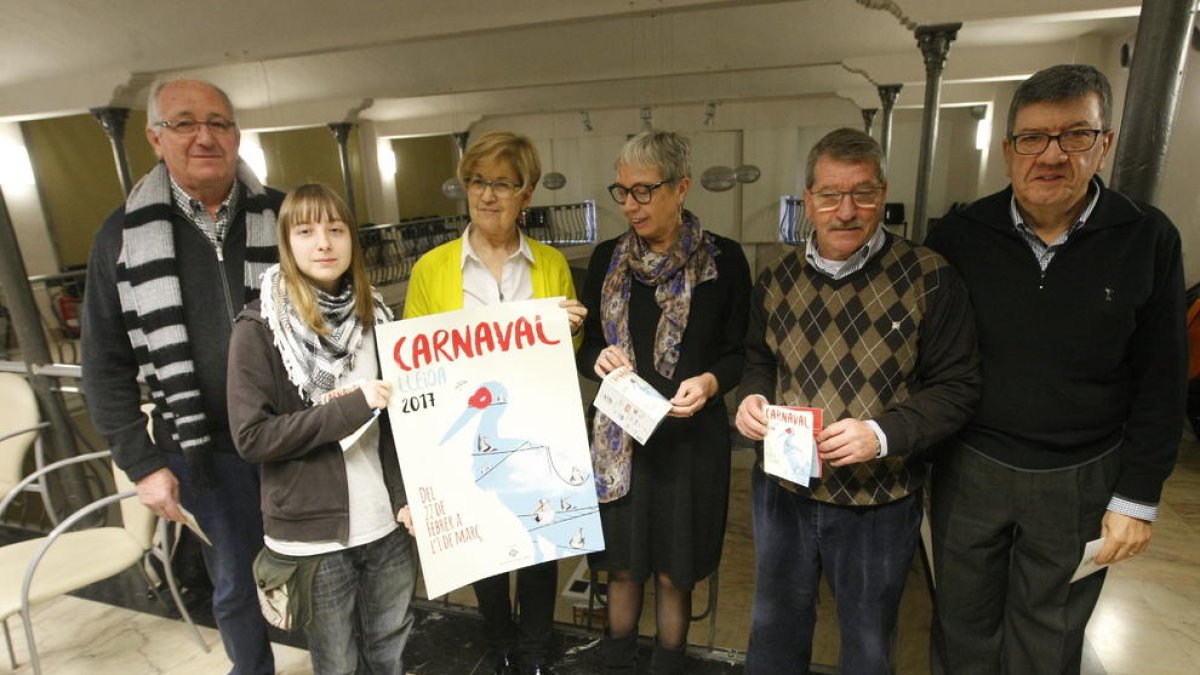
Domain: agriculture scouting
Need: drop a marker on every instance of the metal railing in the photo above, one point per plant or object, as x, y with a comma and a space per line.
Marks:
794, 226
391, 250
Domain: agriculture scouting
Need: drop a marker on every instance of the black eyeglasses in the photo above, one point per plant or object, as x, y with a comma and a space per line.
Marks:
192, 127
642, 192
1075, 140
501, 188
831, 200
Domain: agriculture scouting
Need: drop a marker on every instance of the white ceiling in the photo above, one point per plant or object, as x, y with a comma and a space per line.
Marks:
295, 62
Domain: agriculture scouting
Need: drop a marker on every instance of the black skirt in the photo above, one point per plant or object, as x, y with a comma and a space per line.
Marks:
672, 521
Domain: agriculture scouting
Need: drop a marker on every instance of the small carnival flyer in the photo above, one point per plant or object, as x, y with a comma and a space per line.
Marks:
790, 448
631, 403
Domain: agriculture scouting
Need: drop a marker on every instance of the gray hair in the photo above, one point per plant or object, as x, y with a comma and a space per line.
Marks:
846, 145
1057, 84
152, 117
668, 152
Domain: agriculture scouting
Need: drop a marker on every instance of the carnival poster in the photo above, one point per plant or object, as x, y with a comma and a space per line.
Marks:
490, 433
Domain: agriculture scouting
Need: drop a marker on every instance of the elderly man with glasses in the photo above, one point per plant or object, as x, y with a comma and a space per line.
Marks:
1078, 292
877, 333
169, 271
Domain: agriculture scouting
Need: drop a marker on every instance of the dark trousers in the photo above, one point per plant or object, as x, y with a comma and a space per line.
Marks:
231, 517
1005, 544
530, 638
866, 554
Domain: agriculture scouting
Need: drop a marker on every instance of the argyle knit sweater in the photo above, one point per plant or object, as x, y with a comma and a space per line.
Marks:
893, 342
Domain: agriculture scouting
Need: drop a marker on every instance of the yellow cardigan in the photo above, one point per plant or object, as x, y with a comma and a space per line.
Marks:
436, 284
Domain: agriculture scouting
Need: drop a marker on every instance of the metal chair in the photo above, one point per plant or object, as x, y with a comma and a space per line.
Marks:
40, 569
21, 429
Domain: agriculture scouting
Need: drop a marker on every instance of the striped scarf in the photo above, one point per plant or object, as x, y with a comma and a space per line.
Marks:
315, 362
152, 304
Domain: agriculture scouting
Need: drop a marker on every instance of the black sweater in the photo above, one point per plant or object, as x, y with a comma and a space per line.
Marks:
213, 293
1083, 357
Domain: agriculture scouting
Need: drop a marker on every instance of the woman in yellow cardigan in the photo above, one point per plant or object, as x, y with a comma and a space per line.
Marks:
493, 262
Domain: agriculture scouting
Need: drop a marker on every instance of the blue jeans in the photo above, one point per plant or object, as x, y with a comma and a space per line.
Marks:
361, 616
231, 517
866, 554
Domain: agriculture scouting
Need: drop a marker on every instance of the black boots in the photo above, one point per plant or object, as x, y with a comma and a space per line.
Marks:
620, 655
667, 661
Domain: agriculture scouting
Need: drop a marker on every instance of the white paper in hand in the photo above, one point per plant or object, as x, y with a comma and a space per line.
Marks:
193, 525
631, 403
1087, 565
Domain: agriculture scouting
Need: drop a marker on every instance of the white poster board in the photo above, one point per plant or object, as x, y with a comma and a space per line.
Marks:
490, 434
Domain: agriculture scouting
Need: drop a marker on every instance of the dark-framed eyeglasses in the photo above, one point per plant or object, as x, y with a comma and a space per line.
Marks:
830, 200
503, 189
642, 192
217, 127
1073, 141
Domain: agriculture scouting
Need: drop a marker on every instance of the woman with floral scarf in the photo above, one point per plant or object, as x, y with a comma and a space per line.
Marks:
669, 300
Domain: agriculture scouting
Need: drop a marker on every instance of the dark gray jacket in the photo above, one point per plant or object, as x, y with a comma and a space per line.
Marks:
304, 492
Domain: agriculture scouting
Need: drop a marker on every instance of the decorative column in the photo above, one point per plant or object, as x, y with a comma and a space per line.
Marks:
1151, 98
341, 132
868, 115
887, 96
35, 352
934, 42
112, 120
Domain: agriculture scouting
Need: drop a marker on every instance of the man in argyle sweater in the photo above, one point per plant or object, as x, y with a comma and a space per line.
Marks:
878, 333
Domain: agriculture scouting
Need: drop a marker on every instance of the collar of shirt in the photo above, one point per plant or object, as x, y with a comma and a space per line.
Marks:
1031, 236
469, 253
197, 214
480, 288
1042, 251
838, 269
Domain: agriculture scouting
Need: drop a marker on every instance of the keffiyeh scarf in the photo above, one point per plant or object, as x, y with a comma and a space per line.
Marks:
152, 303
674, 274
315, 362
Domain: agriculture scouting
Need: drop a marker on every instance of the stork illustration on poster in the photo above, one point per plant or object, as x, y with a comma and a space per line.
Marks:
491, 438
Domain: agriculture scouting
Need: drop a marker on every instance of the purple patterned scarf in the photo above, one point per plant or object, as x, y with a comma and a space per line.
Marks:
674, 274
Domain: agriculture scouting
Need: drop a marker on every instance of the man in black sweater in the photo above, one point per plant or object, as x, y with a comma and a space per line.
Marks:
169, 271
1078, 296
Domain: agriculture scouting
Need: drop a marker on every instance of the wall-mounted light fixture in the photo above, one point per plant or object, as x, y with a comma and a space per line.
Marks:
15, 168
252, 153
647, 124
718, 178
747, 173
983, 126
386, 157
453, 189
554, 181
710, 113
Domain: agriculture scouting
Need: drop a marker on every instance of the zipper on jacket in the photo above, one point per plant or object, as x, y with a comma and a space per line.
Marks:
224, 282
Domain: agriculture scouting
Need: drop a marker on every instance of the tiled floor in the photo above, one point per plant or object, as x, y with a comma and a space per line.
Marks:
1148, 619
